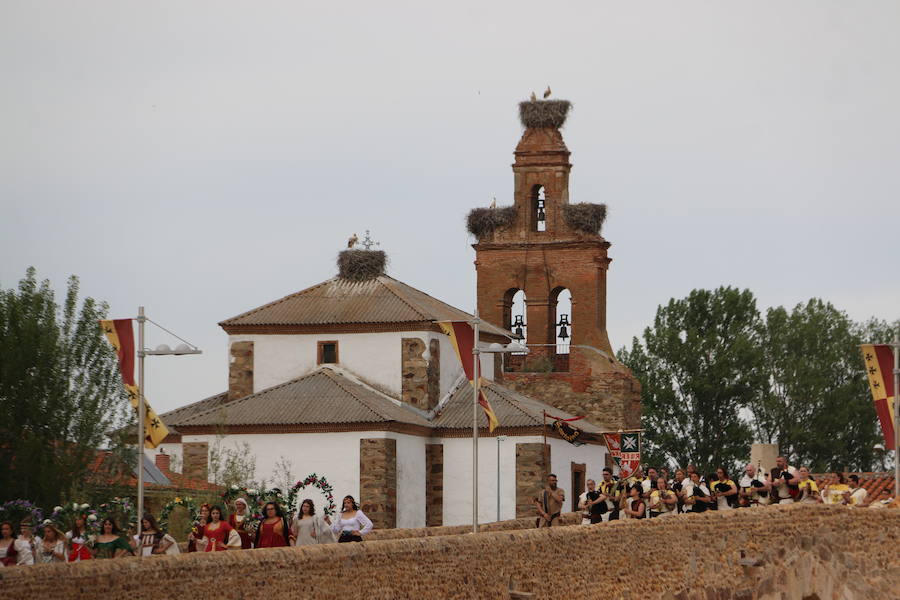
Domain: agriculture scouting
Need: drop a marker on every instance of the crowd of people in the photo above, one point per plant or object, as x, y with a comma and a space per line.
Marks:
213, 531
659, 493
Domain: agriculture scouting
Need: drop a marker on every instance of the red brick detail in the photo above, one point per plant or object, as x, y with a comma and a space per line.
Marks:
434, 485
589, 381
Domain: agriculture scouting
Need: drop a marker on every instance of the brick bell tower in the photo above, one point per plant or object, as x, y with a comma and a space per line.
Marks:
550, 250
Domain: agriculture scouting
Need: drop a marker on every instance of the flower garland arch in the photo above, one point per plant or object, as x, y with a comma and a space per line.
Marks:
121, 510
189, 503
316, 481
15, 511
64, 516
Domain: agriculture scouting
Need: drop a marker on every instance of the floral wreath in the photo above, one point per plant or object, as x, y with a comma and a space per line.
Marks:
234, 492
318, 482
121, 508
15, 511
65, 516
189, 503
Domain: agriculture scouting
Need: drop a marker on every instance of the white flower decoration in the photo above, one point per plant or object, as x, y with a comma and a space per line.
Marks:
234, 487
57, 508
85, 506
75, 505
47, 521
253, 492
92, 518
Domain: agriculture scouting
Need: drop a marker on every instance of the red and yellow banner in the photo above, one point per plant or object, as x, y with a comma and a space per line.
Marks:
880, 369
120, 334
462, 335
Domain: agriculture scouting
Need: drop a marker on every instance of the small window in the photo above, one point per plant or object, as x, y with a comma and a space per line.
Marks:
328, 353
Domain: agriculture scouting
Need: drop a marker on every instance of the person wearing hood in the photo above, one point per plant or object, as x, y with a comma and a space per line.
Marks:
239, 520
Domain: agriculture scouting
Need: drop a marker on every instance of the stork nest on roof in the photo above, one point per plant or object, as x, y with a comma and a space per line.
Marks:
361, 265
483, 221
535, 114
585, 217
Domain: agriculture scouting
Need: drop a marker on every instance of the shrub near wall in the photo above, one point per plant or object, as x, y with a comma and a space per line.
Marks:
789, 551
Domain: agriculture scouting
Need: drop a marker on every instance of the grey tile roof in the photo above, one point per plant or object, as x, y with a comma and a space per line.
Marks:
324, 396
174, 417
341, 301
512, 409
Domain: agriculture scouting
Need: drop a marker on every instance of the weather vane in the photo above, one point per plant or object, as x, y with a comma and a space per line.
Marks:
368, 242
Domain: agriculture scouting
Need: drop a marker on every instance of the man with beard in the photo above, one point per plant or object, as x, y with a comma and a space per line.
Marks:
550, 503
611, 494
753, 487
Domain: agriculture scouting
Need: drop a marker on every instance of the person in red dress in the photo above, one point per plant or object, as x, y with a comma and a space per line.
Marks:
273, 530
239, 520
218, 532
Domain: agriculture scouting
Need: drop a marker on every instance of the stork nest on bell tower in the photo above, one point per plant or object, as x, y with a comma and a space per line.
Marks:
585, 217
483, 221
361, 265
536, 114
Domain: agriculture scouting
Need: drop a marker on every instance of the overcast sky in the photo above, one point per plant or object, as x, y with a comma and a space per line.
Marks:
203, 158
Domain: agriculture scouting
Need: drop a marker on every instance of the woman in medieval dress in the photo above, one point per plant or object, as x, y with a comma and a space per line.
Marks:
239, 520
309, 528
274, 530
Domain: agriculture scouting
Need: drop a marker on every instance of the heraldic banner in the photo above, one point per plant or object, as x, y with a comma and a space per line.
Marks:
625, 448
880, 368
462, 336
120, 334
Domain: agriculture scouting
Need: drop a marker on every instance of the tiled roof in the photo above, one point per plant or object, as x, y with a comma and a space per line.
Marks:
880, 486
324, 396
341, 301
512, 409
173, 417
161, 478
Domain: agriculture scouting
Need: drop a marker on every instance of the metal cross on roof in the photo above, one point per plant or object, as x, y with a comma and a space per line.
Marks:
368, 242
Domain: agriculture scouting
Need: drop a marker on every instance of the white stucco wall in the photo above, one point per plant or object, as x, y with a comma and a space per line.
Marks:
375, 357
335, 456
458, 466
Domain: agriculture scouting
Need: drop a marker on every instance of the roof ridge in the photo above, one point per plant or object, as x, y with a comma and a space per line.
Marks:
335, 377
276, 302
391, 289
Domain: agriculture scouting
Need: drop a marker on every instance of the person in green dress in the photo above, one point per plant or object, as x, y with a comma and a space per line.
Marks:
111, 543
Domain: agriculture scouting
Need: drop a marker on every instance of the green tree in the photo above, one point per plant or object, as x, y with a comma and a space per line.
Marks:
700, 364
817, 406
60, 391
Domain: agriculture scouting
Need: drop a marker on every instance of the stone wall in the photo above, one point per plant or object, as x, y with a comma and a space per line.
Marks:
791, 552
240, 370
378, 480
420, 377
532, 468
434, 485
195, 460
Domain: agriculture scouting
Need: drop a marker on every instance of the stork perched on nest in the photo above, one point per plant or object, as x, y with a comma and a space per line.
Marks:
547, 92
352, 241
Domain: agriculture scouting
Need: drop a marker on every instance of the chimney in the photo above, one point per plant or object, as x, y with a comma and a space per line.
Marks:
162, 462
240, 370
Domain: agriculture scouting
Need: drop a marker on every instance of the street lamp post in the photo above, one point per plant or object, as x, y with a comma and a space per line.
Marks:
476, 388
500, 438
162, 350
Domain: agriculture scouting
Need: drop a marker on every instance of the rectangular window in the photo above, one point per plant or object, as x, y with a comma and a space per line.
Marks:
328, 353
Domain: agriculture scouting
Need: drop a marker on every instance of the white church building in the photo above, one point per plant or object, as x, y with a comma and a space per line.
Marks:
354, 380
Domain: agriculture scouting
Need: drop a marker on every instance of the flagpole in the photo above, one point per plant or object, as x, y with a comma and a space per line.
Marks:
140, 441
475, 387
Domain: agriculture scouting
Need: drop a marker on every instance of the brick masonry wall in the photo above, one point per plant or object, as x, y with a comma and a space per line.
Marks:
378, 480
434, 485
195, 460
416, 374
766, 554
531, 473
240, 370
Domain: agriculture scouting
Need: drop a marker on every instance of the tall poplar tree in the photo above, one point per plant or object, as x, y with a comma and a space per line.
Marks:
60, 391
700, 365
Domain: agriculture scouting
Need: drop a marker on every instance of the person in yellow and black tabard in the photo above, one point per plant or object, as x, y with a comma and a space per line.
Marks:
696, 495
724, 490
549, 504
809, 491
754, 488
836, 489
856, 495
611, 492
663, 501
